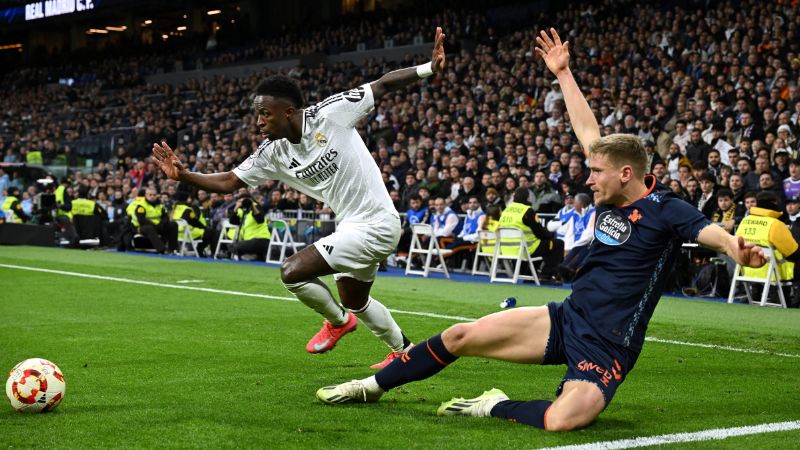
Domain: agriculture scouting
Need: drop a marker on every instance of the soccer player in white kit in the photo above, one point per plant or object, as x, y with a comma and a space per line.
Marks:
317, 151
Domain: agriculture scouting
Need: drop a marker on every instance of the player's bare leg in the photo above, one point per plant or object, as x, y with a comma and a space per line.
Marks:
516, 335
300, 274
355, 296
578, 405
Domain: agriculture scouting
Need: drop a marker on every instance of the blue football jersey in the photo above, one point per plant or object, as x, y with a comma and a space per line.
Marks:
630, 258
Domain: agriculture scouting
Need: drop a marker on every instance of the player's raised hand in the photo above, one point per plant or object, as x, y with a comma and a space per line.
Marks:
164, 157
438, 58
554, 53
749, 254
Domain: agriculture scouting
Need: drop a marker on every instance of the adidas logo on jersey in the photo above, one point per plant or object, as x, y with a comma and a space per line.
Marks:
328, 248
294, 164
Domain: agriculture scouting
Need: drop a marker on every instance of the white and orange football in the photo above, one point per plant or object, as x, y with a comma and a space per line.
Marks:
35, 385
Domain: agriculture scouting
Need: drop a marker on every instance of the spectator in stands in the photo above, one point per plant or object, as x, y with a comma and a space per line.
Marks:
706, 200
446, 224
749, 178
578, 232
791, 184
417, 213
728, 214
542, 197
467, 238
493, 199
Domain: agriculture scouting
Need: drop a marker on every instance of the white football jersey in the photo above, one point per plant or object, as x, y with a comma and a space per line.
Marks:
331, 162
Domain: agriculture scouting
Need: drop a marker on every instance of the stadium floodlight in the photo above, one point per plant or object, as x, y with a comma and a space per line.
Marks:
214, 12
164, 36
181, 28
122, 28
147, 22
96, 31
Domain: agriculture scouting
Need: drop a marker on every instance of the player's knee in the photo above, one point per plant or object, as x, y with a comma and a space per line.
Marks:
456, 338
557, 422
289, 273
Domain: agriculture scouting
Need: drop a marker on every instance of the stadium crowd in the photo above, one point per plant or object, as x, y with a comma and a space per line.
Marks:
712, 91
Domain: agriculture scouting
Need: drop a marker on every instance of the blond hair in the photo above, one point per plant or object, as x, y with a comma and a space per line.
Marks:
621, 150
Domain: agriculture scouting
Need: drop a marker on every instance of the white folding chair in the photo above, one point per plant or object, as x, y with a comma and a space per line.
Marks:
224, 239
281, 237
9, 215
487, 241
512, 238
773, 278
185, 241
431, 250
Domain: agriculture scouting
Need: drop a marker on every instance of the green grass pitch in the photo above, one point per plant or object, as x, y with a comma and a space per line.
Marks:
150, 367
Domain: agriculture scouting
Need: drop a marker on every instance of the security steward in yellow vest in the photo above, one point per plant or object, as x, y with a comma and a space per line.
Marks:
519, 214
63, 200
149, 218
763, 227
191, 214
253, 229
83, 206
13, 207
491, 223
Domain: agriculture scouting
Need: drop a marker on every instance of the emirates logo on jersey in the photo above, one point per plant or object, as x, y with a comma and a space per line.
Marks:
321, 169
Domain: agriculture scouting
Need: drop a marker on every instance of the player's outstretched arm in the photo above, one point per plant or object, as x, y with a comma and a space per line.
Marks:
401, 78
166, 160
556, 56
743, 252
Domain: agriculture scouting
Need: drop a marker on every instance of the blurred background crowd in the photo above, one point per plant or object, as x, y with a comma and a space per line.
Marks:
710, 87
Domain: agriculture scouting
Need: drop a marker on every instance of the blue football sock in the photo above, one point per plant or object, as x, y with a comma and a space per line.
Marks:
423, 361
529, 413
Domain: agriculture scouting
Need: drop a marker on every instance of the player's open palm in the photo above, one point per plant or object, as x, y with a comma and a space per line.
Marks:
167, 161
553, 51
438, 58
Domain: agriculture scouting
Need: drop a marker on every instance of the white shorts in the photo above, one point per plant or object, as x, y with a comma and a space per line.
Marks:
356, 248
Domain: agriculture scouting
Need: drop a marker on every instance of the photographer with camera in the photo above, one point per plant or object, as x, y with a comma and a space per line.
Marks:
149, 218
253, 229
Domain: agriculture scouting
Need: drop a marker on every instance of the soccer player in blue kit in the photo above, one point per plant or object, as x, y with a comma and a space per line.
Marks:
598, 331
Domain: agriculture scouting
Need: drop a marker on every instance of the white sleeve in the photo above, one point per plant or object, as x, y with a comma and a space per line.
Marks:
346, 108
257, 168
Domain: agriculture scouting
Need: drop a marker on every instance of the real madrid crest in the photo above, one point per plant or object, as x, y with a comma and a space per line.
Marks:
321, 139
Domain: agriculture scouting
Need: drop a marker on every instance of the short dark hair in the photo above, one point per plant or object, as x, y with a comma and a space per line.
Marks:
767, 200
521, 194
725, 193
281, 86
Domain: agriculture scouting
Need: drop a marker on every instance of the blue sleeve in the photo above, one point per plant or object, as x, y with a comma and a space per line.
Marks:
683, 219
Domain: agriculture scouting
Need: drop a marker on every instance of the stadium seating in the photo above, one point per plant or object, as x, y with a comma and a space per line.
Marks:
521, 257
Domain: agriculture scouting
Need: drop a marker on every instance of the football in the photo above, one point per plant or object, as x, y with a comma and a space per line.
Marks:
35, 385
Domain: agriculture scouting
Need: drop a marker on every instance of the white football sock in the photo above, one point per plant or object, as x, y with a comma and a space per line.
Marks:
316, 295
379, 320
372, 386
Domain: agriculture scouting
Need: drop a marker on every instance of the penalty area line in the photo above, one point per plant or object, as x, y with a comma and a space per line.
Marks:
677, 438
396, 311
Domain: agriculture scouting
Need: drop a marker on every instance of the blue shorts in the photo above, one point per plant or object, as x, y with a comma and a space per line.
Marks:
588, 356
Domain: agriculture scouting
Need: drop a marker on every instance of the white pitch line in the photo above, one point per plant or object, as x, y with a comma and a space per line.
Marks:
698, 436
397, 311
721, 347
